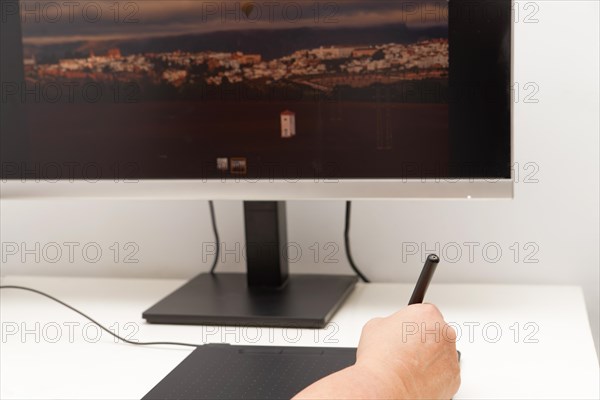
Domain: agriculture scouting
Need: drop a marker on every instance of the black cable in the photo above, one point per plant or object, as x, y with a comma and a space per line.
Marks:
211, 206
347, 244
96, 322
346, 240
215, 263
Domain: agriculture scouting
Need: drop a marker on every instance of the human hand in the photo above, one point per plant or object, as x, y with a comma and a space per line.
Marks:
409, 355
414, 351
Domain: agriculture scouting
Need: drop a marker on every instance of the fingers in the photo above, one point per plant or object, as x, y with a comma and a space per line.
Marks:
427, 316
449, 333
416, 317
419, 312
428, 309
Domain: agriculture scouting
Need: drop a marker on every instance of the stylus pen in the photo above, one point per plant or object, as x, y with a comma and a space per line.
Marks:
423, 283
424, 279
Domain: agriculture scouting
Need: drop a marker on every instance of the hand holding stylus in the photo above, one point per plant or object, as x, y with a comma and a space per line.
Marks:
409, 355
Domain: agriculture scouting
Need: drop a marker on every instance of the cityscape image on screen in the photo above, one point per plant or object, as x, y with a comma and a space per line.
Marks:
190, 89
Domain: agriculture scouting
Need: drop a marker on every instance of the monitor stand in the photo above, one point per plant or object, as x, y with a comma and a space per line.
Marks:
267, 295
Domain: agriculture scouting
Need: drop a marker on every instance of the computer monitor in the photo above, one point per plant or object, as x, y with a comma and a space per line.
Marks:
262, 102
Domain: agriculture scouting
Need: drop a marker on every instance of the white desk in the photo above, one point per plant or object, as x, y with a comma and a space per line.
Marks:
562, 364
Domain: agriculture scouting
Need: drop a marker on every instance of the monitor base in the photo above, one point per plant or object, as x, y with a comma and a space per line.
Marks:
305, 301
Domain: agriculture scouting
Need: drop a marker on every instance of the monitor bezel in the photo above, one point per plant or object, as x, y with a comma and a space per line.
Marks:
262, 190
275, 189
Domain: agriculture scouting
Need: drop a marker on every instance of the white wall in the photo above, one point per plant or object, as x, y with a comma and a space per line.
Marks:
558, 214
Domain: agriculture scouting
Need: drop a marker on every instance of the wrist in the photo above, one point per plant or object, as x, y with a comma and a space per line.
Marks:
383, 380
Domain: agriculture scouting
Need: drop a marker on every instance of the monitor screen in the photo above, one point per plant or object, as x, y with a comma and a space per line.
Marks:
185, 89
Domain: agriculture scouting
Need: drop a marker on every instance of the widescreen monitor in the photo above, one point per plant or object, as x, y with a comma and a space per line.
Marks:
254, 100
235, 99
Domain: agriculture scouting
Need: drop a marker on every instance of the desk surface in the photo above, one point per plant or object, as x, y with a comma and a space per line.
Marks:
516, 341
